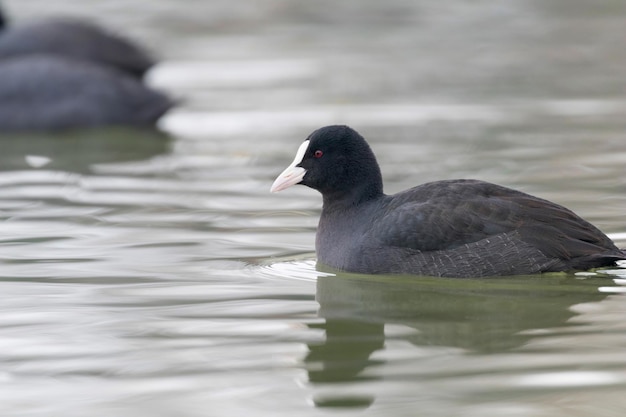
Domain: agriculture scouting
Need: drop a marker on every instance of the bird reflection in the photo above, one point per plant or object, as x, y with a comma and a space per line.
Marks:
480, 316
346, 352
77, 150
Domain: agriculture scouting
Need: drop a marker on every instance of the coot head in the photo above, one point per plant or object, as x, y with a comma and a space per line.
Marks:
336, 161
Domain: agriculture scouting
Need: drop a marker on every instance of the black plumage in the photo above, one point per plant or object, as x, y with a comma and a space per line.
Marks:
73, 39
48, 92
454, 228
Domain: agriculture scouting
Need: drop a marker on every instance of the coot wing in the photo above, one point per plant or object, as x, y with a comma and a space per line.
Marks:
448, 214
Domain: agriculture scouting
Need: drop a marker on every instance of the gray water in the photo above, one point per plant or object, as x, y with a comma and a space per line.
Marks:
152, 274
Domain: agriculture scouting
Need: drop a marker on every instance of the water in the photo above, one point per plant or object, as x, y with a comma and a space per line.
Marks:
152, 274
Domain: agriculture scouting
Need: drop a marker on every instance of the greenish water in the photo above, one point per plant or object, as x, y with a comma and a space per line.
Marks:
153, 274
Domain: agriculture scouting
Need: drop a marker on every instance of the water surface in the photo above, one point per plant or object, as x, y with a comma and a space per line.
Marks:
152, 273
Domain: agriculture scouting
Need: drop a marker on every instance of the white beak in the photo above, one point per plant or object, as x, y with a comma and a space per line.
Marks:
292, 174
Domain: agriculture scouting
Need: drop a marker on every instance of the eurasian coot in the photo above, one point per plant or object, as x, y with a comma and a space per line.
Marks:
72, 39
48, 92
455, 228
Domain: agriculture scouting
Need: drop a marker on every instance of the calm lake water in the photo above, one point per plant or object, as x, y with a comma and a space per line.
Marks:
153, 274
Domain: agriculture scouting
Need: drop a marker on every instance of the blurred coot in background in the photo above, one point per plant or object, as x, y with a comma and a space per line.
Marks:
60, 73
47, 92
72, 38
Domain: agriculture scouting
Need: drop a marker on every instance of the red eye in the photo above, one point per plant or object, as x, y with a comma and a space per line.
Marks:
318, 153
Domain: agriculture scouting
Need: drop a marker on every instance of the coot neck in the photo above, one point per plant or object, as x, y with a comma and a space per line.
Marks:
353, 196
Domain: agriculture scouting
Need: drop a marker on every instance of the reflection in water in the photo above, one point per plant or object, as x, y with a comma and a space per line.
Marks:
77, 150
342, 358
480, 316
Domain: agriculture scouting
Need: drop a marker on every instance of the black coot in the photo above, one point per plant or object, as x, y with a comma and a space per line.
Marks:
43, 92
456, 228
73, 39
